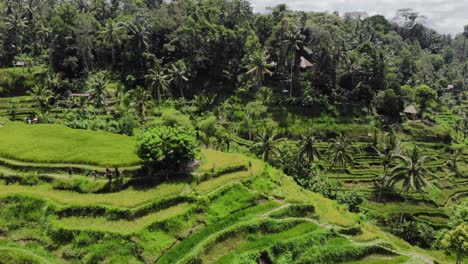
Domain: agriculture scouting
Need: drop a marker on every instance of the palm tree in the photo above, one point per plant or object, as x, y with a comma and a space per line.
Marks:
293, 43
387, 150
178, 72
13, 107
97, 85
53, 80
139, 35
341, 150
266, 144
141, 102
110, 36
308, 149
258, 66
41, 95
453, 161
412, 173
159, 82
17, 24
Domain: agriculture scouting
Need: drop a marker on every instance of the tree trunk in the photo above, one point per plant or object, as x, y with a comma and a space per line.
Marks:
292, 66
337, 183
113, 56
382, 183
404, 208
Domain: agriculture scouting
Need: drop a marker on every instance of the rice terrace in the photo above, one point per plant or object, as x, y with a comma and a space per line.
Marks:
211, 131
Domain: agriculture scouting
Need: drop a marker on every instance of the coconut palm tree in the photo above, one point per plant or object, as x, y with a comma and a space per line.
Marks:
138, 33
42, 95
159, 82
308, 150
13, 107
341, 152
97, 84
141, 102
266, 144
110, 36
258, 66
17, 24
179, 72
387, 150
412, 173
293, 43
453, 161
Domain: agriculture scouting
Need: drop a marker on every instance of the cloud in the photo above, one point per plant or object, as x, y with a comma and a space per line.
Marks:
445, 16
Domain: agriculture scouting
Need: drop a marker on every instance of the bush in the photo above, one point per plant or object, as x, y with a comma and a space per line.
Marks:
420, 234
389, 104
30, 179
351, 199
167, 148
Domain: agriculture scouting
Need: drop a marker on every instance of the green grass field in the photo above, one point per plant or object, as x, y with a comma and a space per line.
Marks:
60, 144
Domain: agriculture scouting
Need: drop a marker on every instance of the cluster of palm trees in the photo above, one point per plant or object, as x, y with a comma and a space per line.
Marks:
406, 168
258, 64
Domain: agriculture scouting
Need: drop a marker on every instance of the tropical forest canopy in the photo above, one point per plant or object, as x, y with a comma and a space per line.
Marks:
202, 132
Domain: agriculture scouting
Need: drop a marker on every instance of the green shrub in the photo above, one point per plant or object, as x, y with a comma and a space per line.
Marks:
351, 199
420, 234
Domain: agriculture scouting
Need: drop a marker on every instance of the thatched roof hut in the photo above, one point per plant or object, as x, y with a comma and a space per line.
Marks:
304, 64
411, 112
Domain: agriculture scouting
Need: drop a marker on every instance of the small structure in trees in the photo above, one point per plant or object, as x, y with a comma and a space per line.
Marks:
411, 112
304, 63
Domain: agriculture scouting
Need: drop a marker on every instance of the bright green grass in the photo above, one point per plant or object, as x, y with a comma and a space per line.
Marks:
60, 144
226, 251
215, 159
124, 227
381, 259
234, 199
190, 243
212, 184
327, 210
129, 198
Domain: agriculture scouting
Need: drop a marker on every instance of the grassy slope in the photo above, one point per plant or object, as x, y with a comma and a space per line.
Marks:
60, 144
259, 179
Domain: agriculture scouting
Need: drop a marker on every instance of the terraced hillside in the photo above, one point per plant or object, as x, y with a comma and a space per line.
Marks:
232, 209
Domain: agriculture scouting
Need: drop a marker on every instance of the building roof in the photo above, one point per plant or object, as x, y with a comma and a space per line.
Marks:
411, 110
305, 63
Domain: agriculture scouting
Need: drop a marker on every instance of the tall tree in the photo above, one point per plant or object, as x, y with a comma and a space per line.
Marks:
97, 85
341, 152
141, 102
267, 144
178, 73
258, 66
41, 96
159, 82
111, 36
307, 149
293, 43
412, 173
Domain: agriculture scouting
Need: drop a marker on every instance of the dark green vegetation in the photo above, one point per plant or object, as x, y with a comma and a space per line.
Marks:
200, 132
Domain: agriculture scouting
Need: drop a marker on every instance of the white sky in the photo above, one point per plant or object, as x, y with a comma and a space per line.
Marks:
447, 16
